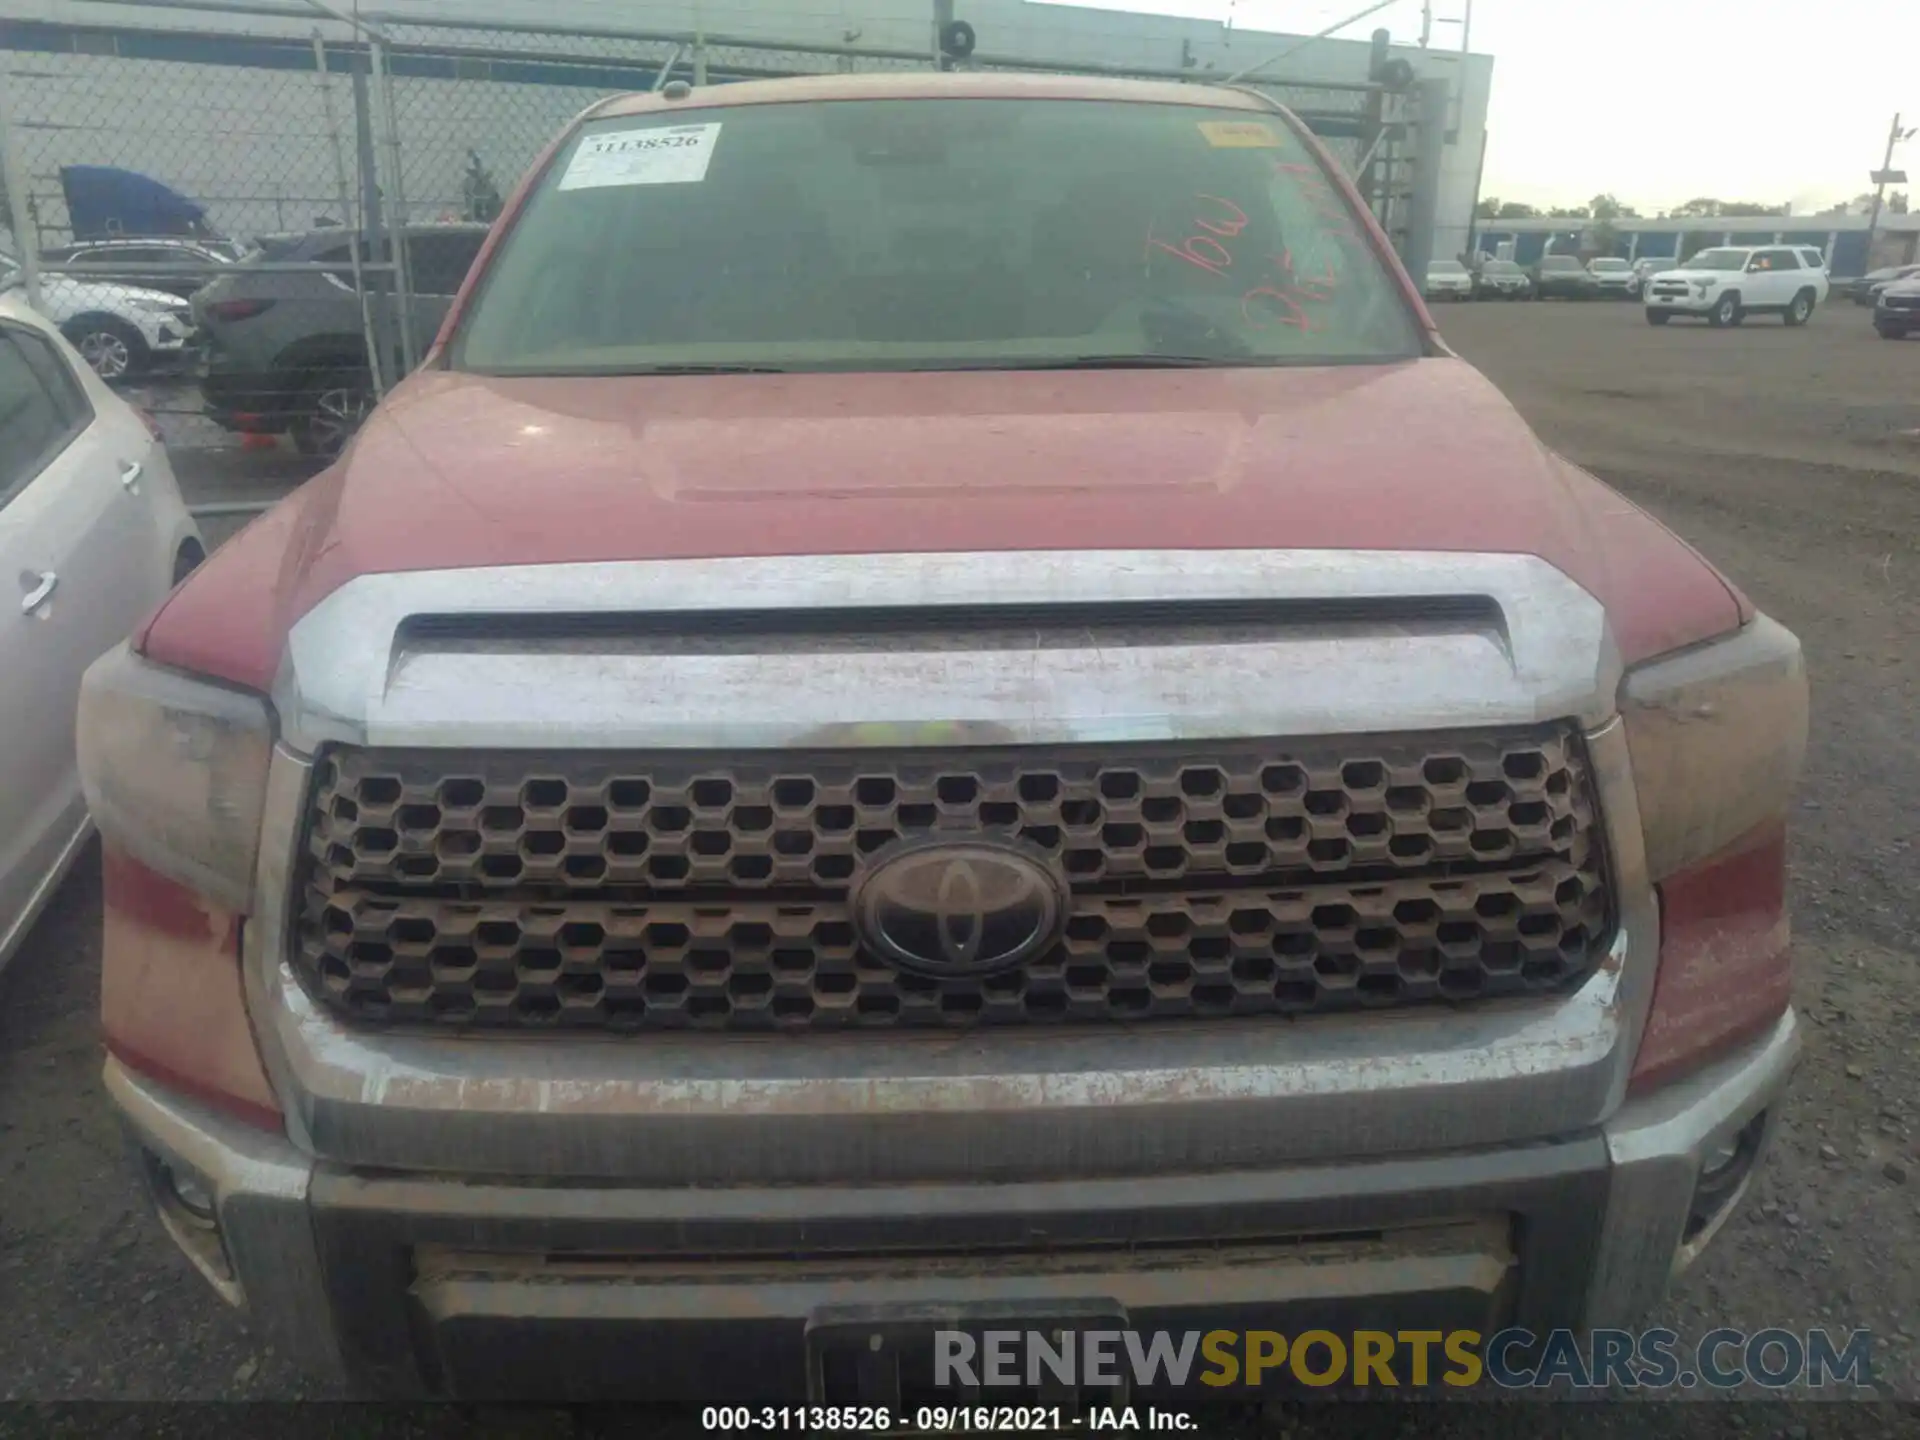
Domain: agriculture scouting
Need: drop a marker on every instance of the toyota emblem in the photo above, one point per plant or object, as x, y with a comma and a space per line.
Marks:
950, 909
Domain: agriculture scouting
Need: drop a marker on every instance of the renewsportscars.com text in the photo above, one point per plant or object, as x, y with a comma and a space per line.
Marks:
1509, 1359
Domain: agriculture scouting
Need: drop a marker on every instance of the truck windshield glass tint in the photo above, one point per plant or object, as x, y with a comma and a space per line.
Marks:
924, 234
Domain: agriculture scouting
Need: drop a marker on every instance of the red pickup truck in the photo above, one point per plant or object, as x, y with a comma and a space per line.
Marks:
940, 699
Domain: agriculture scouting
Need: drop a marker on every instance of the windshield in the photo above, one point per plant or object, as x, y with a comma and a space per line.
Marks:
933, 234
1446, 267
1560, 262
1608, 265
1719, 260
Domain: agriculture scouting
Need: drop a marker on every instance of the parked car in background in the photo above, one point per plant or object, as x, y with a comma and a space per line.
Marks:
177, 266
1562, 277
121, 330
1896, 308
1647, 266
1726, 284
1864, 290
93, 531
1613, 278
1502, 280
287, 352
1449, 280
543, 851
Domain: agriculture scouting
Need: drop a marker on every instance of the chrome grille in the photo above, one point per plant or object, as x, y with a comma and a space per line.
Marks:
668, 891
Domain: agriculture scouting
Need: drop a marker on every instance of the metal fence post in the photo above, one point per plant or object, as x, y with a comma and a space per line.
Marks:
1429, 150
1373, 118
397, 218
13, 179
377, 283
375, 369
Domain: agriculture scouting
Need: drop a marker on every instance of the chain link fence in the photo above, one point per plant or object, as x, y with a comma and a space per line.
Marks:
281, 212
185, 205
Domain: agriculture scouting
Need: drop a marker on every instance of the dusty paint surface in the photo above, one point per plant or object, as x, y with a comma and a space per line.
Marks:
460, 471
170, 992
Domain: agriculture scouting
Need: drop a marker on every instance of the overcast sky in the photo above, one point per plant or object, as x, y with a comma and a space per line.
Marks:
1659, 101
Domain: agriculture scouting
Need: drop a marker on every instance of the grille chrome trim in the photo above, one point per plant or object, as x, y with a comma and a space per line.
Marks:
372, 664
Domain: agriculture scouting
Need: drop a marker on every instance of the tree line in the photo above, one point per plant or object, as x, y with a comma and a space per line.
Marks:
1605, 208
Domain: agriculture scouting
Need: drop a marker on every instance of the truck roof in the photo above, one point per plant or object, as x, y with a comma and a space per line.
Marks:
932, 85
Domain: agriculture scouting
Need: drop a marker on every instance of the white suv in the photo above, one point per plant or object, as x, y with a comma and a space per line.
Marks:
120, 330
1726, 284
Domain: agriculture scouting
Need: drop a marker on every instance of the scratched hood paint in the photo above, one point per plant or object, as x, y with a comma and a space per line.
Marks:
457, 471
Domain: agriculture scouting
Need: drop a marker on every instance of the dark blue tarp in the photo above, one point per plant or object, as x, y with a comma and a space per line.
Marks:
1849, 258
102, 200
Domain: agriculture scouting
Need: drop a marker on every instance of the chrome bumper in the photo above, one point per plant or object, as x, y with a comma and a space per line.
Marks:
1607, 1210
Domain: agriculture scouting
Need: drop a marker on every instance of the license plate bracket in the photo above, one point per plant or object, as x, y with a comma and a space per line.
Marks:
861, 1354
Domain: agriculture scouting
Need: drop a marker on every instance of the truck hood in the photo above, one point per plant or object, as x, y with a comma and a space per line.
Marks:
459, 471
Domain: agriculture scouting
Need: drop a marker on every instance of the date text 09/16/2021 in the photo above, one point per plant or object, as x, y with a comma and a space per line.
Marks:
942, 1419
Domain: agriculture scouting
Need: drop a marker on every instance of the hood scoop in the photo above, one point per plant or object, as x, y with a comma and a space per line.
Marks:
1025, 626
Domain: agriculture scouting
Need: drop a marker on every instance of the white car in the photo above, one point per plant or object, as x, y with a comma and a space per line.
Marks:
1613, 278
93, 535
1449, 280
1726, 284
1647, 266
120, 329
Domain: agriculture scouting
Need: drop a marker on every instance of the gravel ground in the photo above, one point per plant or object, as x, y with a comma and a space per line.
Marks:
1789, 457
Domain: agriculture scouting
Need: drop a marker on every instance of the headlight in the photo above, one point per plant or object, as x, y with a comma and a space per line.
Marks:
1704, 285
1717, 734
175, 772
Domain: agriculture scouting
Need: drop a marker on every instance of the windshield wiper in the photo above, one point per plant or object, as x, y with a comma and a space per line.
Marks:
699, 367
1128, 362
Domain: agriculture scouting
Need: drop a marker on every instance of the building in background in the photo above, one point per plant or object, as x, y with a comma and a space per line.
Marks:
1843, 239
224, 121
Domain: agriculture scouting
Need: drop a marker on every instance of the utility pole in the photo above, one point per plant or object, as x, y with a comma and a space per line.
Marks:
942, 17
1883, 177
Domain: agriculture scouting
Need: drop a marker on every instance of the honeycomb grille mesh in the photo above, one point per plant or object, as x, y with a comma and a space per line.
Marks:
662, 891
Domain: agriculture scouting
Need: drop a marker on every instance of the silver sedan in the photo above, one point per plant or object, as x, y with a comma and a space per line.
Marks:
93, 534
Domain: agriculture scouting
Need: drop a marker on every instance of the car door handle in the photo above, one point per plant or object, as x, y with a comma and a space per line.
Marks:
40, 593
130, 473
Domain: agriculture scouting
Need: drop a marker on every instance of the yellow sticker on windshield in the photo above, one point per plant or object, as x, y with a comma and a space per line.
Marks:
1240, 135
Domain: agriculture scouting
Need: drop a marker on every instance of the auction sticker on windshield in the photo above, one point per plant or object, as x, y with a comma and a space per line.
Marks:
657, 155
